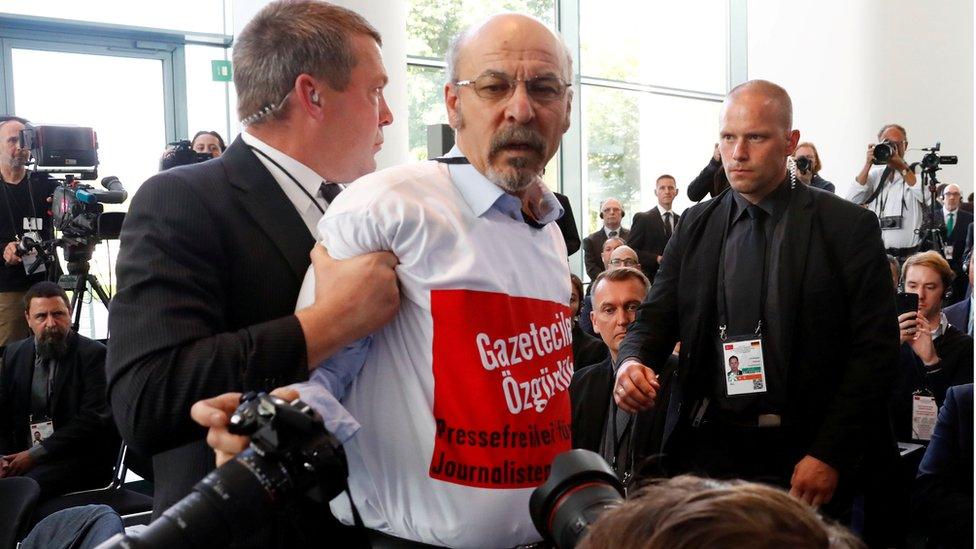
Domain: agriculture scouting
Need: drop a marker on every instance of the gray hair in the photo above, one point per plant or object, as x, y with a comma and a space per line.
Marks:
454, 50
288, 38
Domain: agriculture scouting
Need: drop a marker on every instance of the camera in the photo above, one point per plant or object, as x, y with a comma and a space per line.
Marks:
292, 456
804, 164
883, 152
181, 153
891, 222
580, 488
931, 161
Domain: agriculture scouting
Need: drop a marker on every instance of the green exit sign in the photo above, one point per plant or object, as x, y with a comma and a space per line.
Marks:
221, 70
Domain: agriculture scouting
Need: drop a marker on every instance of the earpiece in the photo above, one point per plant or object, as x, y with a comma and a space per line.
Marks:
315, 97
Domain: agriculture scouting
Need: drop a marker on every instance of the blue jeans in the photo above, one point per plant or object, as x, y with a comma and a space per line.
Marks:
74, 528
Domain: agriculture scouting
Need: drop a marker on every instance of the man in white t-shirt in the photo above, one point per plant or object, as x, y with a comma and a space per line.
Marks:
454, 411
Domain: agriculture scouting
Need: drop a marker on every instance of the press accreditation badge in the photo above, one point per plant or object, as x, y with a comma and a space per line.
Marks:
41, 430
745, 373
948, 252
924, 415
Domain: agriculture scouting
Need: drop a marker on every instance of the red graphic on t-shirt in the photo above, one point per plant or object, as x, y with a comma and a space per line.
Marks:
502, 367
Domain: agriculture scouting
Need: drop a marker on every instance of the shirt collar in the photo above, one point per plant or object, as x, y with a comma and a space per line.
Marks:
773, 204
482, 195
306, 177
946, 212
941, 328
662, 210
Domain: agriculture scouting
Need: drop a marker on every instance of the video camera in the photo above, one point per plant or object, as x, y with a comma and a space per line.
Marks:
291, 456
181, 153
70, 155
930, 162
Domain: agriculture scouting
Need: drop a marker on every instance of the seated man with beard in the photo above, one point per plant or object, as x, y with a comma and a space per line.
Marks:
55, 425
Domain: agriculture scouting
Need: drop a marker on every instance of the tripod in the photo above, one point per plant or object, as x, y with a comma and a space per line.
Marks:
78, 281
932, 230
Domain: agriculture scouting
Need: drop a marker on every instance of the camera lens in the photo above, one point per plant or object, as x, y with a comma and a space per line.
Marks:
883, 152
580, 488
803, 164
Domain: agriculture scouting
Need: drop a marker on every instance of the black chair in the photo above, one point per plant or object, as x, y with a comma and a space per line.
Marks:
19, 496
132, 506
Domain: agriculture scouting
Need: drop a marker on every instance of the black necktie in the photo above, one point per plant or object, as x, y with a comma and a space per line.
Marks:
746, 273
330, 191
613, 234
668, 224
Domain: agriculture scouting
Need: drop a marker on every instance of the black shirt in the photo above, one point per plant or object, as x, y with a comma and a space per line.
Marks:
747, 273
23, 206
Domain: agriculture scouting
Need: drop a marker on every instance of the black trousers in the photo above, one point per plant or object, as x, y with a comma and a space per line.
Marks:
759, 454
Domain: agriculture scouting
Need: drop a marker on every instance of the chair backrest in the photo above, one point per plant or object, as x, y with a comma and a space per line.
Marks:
19, 496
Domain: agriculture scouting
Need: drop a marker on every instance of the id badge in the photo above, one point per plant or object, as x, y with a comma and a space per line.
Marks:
41, 430
948, 252
924, 415
745, 372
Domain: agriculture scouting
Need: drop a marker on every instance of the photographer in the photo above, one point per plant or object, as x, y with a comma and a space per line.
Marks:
208, 142
25, 202
712, 179
808, 167
889, 188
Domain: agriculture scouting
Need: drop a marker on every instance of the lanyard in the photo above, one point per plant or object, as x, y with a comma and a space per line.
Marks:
884, 195
615, 442
290, 176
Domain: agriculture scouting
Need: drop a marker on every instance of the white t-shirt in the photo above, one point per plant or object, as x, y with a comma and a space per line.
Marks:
463, 398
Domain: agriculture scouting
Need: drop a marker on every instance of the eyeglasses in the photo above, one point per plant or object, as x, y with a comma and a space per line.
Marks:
625, 262
496, 87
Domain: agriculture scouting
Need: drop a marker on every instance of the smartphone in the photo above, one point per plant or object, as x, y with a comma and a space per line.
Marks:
907, 303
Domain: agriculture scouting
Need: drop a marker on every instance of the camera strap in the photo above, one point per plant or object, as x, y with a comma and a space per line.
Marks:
879, 188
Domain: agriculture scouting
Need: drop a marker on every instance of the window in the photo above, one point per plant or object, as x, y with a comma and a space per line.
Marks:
651, 87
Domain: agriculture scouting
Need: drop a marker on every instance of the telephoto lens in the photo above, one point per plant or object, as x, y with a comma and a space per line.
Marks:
580, 488
292, 460
883, 152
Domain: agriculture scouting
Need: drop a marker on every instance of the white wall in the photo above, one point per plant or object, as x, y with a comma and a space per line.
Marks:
389, 17
852, 66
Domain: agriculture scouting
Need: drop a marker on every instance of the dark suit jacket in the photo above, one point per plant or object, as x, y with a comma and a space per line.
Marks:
589, 395
593, 247
822, 183
957, 240
82, 420
955, 350
648, 238
212, 257
835, 319
567, 225
958, 314
942, 498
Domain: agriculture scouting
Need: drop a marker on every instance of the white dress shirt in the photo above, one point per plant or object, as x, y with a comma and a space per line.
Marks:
306, 178
895, 193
